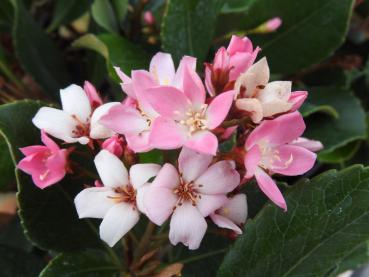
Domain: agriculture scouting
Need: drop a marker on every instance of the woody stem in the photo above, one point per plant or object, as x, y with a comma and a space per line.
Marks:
235, 122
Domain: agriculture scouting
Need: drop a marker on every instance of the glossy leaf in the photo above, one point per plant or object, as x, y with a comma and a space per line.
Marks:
6, 167
340, 155
103, 14
326, 219
188, 27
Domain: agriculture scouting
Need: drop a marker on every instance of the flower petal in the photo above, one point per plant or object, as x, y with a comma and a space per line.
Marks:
219, 178
204, 142
207, 204
191, 163
309, 144
252, 107
218, 109
167, 177
270, 189
167, 134
140, 198
239, 44
193, 88
117, 222
139, 143
162, 68
187, 226
235, 209
75, 102
252, 159
111, 169
97, 130
186, 61
94, 202
139, 174
126, 82
159, 203
224, 222
297, 98
49, 142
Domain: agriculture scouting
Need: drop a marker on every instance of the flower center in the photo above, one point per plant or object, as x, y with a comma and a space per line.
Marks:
81, 129
126, 194
195, 119
186, 192
270, 157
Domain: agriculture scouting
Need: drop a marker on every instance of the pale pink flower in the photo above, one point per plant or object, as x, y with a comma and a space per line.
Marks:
228, 64
232, 214
117, 202
93, 95
260, 99
77, 121
268, 151
46, 163
189, 194
309, 144
185, 119
114, 145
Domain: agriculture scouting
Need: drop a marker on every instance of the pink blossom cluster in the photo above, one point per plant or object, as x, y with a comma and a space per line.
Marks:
167, 108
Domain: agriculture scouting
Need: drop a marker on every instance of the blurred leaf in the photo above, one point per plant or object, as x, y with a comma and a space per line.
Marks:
116, 50
66, 11
6, 167
154, 156
6, 15
48, 216
37, 53
12, 235
310, 108
340, 155
103, 14
232, 6
336, 132
188, 27
323, 213
310, 32
86, 263
120, 8
15, 262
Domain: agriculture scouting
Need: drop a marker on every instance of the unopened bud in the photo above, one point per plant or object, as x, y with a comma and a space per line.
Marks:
149, 18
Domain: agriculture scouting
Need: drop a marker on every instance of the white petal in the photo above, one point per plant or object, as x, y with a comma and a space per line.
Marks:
94, 202
224, 222
162, 68
139, 174
275, 90
117, 222
55, 122
219, 178
75, 102
235, 209
111, 169
98, 131
187, 226
140, 198
192, 164
208, 204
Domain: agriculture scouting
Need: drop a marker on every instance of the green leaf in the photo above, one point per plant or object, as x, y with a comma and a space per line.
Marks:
15, 262
66, 11
340, 155
6, 166
310, 32
116, 50
188, 27
37, 53
48, 216
12, 235
120, 8
86, 263
310, 108
322, 214
103, 14
336, 132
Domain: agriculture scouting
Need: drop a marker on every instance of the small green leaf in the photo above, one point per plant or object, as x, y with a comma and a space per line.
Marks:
103, 14
335, 132
86, 263
309, 108
322, 214
340, 155
188, 27
120, 8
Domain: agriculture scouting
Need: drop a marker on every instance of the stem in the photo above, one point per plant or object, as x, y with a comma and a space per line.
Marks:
145, 241
234, 122
203, 256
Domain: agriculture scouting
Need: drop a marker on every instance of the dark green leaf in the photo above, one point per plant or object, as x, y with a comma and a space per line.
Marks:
188, 27
103, 14
12, 235
334, 133
89, 263
15, 262
120, 8
37, 53
6, 166
327, 218
48, 216
310, 108
340, 155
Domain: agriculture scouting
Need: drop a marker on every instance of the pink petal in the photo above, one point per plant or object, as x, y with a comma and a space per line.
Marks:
167, 134
235, 209
168, 101
309, 144
126, 83
221, 59
270, 189
193, 88
207, 204
238, 44
139, 142
252, 159
187, 226
186, 61
124, 120
224, 222
162, 68
218, 109
49, 142
204, 142
191, 163
159, 203
297, 98
167, 177
280, 130
92, 94
293, 160
219, 178
33, 149
240, 62
208, 81
56, 163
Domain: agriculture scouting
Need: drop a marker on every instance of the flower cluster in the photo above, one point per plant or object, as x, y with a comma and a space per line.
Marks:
167, 108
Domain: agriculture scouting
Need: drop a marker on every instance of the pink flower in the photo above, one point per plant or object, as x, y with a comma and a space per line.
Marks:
77, 121
185, 119
114, 145
149, 18
260, 99
232, 214
46, 163
273, 24
93, 95
269, 151
229, 64
118, 201
189, 194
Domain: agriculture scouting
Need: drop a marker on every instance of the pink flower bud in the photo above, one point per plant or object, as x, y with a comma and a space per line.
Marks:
114, 145
92, 95
273, 24
149, 18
